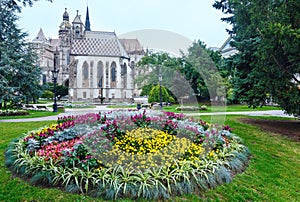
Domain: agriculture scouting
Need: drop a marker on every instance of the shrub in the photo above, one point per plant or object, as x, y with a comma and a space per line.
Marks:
47, 94
154, 95
9, 112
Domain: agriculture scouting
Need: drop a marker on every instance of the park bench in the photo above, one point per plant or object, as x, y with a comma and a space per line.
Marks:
35, 107
42, 107
146, 106
29, 106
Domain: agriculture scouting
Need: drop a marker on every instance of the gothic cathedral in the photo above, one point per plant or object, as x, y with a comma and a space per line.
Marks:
93, 64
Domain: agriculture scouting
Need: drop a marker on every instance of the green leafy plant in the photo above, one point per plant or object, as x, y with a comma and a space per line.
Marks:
180, 165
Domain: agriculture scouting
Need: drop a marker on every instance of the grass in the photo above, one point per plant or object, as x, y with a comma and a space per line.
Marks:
228, 108
273, 173
121, 106
80, 107
33, 114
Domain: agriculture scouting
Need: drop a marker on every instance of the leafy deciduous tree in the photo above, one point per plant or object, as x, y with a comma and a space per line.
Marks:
202, 70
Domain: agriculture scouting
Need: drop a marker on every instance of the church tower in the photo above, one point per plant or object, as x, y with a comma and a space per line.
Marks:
64, 31
77, 27
63, 46
87, 20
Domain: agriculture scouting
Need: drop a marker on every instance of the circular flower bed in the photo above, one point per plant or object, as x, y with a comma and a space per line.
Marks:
129, 154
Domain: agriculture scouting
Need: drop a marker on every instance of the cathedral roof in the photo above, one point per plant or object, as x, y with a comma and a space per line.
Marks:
40, 37
77, 19
55, 42
96, 43
132, 46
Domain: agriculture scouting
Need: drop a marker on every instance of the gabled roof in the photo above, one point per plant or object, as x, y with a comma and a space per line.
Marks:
77, 19
132, 46
226, 44
226, 49
40, 37
96, 43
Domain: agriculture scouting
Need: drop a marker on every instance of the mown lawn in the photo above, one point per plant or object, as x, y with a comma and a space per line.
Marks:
228, 108
273, 173
33, 114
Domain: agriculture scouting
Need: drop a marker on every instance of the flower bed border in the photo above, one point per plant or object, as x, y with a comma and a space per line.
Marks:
118, 182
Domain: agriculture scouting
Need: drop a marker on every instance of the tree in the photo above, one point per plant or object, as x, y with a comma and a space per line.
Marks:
146, 89
19, 75
13, 5
202, 68
154, 95
61, 90
154, 65
266, 34
195, 74
47, 94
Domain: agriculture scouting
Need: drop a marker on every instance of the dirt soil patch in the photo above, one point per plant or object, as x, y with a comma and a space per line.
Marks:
288, 128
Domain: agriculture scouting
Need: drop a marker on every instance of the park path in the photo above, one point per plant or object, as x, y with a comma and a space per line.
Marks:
69, 112
278, 113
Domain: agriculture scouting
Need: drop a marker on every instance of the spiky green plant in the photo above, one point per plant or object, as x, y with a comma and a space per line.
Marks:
145, 183
42, 177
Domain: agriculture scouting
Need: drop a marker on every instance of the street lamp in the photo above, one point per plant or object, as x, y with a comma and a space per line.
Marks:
101, 97
160, 92
54, 77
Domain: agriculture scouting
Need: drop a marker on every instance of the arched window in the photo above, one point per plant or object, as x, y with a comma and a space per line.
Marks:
100, 74
91, 73
124, 74
68, 57
85, 71
132, 64
113, 72
85, 75
67, 83
77, 32
124, 69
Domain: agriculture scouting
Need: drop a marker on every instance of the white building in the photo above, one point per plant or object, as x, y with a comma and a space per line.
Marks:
92, 64
226, 49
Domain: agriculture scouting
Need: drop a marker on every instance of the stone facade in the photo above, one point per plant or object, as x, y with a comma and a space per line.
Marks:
92, 64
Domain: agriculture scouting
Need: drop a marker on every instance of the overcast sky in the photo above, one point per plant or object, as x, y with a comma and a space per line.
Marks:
194, 19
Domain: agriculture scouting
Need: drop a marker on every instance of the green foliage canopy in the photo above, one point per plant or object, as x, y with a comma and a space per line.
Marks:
201, 68
19, 76
154, 95
266, 34
194, 74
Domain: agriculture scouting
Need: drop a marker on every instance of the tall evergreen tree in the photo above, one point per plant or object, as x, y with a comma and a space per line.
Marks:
266, 34
19, 75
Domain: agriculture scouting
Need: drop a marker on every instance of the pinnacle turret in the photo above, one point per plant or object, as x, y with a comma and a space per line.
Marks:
87, 20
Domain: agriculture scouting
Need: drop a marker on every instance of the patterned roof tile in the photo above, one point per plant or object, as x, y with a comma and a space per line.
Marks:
98, 44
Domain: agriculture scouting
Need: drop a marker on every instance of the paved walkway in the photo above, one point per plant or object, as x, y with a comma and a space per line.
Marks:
278, 113
69, 112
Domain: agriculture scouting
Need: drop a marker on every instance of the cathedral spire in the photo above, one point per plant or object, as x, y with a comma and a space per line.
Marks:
87, 20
